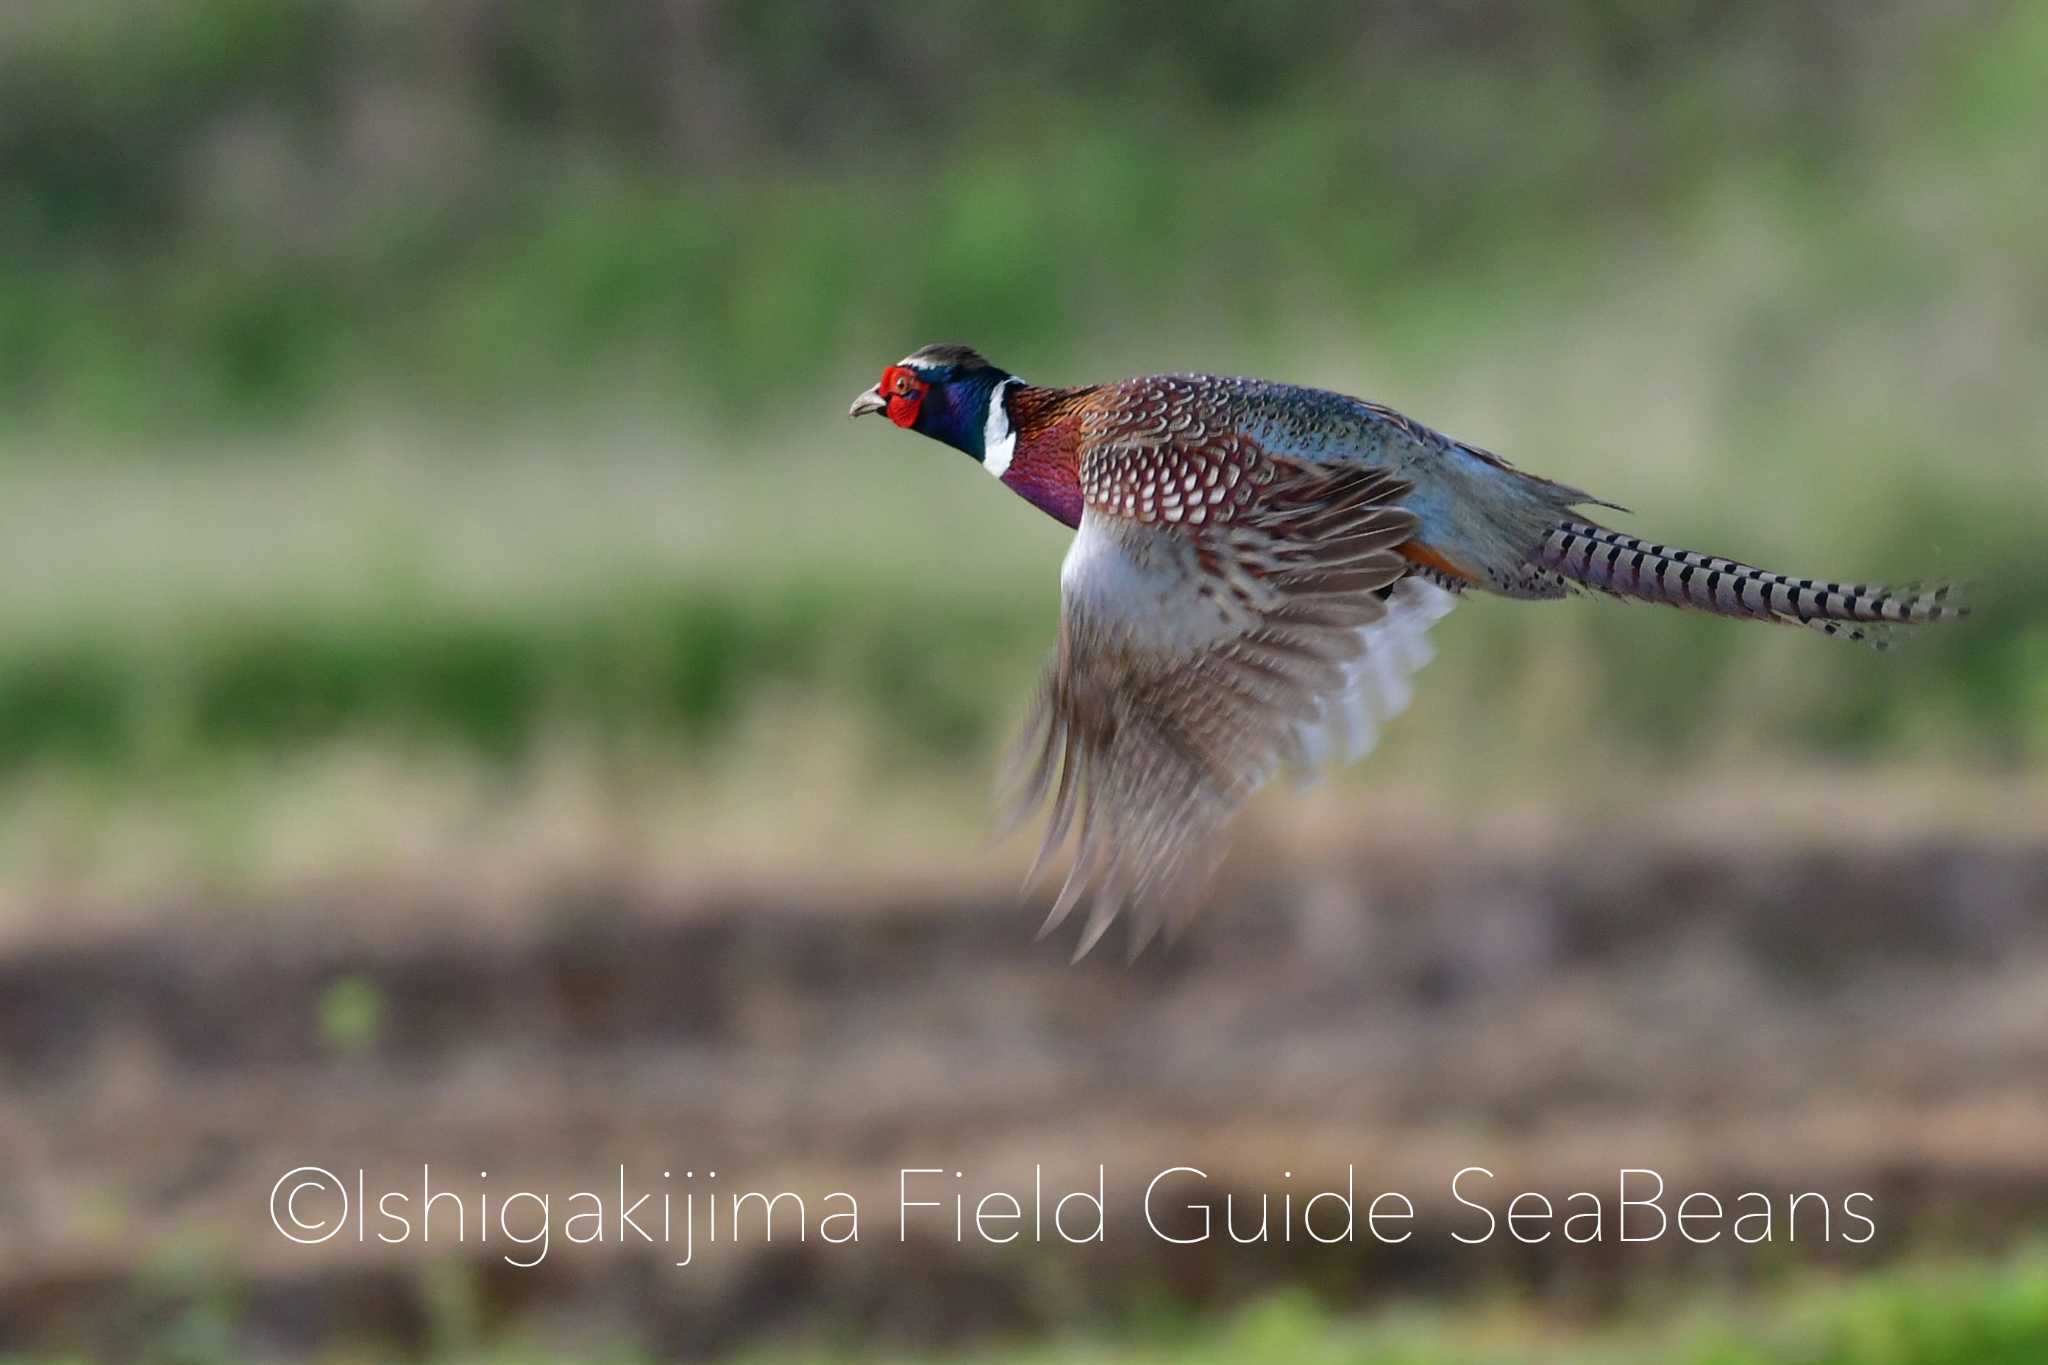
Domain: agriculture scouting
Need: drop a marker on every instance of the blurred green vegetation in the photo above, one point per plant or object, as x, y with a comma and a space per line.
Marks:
631, 666
1770, 273
1989, 1313
1996, 1316
235, 210
938, 675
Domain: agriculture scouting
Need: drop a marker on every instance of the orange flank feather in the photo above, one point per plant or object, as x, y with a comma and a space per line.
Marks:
1416, 552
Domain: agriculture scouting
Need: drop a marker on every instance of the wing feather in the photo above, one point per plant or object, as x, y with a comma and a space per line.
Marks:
1194, 660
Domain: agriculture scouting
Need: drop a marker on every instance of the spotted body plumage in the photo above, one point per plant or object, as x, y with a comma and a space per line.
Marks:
1254, 570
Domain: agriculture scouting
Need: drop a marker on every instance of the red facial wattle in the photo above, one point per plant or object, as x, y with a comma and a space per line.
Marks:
904, 393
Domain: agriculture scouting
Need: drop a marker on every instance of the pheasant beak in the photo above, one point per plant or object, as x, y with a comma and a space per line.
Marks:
871, 401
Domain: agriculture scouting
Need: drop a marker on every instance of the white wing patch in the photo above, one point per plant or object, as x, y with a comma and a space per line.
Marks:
1379, 682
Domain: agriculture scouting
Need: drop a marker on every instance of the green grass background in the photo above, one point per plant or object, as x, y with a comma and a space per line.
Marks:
1950, 1313
304, 292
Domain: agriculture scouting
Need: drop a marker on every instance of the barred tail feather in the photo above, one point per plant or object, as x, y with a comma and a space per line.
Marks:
1624, 566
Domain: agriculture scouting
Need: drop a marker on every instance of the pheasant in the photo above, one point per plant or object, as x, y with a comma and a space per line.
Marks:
1254, 570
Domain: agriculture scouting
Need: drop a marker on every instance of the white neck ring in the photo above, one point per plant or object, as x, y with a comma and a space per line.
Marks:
998, 437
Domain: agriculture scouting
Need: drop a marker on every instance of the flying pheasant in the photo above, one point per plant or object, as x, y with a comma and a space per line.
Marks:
1254, 570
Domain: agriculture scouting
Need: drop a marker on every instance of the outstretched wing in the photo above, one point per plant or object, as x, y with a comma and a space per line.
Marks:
1223, 612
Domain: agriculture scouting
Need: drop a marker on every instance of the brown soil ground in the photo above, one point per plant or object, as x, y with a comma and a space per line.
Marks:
1782, 1019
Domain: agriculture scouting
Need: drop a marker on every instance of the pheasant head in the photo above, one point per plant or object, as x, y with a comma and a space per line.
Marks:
949, 393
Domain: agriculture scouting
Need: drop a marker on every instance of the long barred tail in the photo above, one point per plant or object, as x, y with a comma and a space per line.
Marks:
1624, 566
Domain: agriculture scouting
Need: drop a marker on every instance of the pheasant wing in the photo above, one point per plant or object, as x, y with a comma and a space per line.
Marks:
1198, 656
